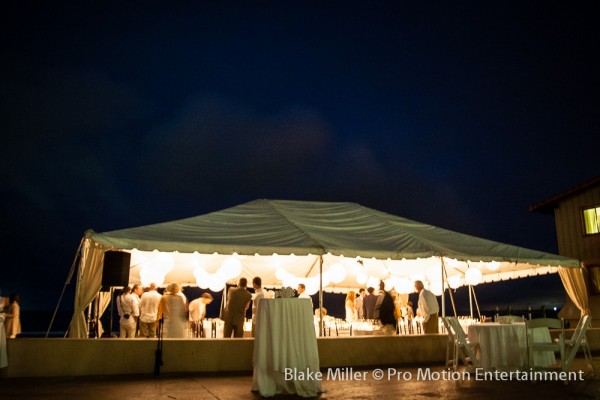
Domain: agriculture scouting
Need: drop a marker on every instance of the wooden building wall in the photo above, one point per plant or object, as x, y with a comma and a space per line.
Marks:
572, 241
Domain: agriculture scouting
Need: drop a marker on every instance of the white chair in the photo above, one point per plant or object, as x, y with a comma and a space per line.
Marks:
462, 347
533, 347
451, 344
578, 340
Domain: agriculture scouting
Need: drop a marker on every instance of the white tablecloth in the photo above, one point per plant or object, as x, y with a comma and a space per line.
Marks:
504, 346
3, 356
285, 340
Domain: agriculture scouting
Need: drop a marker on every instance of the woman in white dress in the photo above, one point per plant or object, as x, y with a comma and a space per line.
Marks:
350, 306
173, 311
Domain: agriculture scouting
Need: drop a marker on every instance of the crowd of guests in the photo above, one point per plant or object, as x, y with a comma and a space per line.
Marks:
141, 309
387, 307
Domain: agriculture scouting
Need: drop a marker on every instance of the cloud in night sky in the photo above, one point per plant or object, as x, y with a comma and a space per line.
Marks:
460, 117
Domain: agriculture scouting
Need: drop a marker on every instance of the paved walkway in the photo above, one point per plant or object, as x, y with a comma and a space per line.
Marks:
404, 383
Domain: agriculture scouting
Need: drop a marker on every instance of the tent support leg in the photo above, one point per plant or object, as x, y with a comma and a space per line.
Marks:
445, 275
443, 288
89, 318
476, 303
112, 292
321, 328
67, 283
471, 300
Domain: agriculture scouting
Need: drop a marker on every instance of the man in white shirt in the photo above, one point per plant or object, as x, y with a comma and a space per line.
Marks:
302, 292
129, 311
427, 308
149, 312
197, 312
256, 297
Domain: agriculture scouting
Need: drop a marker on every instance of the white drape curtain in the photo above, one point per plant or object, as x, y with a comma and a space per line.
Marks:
103, 302
88, 284
574, 283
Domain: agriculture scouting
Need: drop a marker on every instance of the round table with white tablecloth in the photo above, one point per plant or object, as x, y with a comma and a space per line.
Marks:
504, 346
285, 340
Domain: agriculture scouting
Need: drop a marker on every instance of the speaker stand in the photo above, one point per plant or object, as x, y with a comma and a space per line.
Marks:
112, 291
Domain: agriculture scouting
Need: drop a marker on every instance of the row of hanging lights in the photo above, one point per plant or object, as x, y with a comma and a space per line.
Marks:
157, 265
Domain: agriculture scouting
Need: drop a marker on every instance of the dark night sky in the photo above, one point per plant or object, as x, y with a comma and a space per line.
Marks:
459, 115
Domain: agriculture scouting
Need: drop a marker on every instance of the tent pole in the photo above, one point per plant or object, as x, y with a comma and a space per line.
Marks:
90, 315
95, 313
445, 275
223, 301
112, 292
471, 300
321, 296
67, 282
476, 303
443, 288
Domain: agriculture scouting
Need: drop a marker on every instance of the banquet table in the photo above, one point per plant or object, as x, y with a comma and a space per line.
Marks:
504, 346
285, 342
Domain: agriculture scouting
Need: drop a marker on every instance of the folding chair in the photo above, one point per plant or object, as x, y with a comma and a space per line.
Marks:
462, 347
533, 347
325, 329
343, 328
405, 326
579, 339
451, 343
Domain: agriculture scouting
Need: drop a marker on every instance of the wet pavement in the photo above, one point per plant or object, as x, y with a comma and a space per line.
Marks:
423, 382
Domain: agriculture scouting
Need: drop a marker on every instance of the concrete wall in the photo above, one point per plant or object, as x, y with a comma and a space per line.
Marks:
84, 357
381, 350
77, 357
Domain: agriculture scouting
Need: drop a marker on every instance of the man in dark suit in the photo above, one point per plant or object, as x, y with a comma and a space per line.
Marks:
369, 303
238, 300
384, 310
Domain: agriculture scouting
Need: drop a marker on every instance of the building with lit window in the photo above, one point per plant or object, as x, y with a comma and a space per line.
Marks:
576, 214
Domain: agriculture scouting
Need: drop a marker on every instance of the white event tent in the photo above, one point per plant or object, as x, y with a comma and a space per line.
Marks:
332, 246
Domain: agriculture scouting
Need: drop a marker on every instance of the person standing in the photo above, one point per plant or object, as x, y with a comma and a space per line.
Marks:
259, 294
410, 313
197, 312
302, 292
369, 303
350, 307
427, 308
13, 317
129, 312
3, 304
136, 291
172, 310
385, 310
358, 304
149, 312
238, 301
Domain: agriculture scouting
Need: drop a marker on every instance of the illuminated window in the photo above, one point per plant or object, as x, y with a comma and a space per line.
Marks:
591, 220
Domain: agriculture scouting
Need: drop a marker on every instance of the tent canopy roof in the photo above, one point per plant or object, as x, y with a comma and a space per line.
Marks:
265, 227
